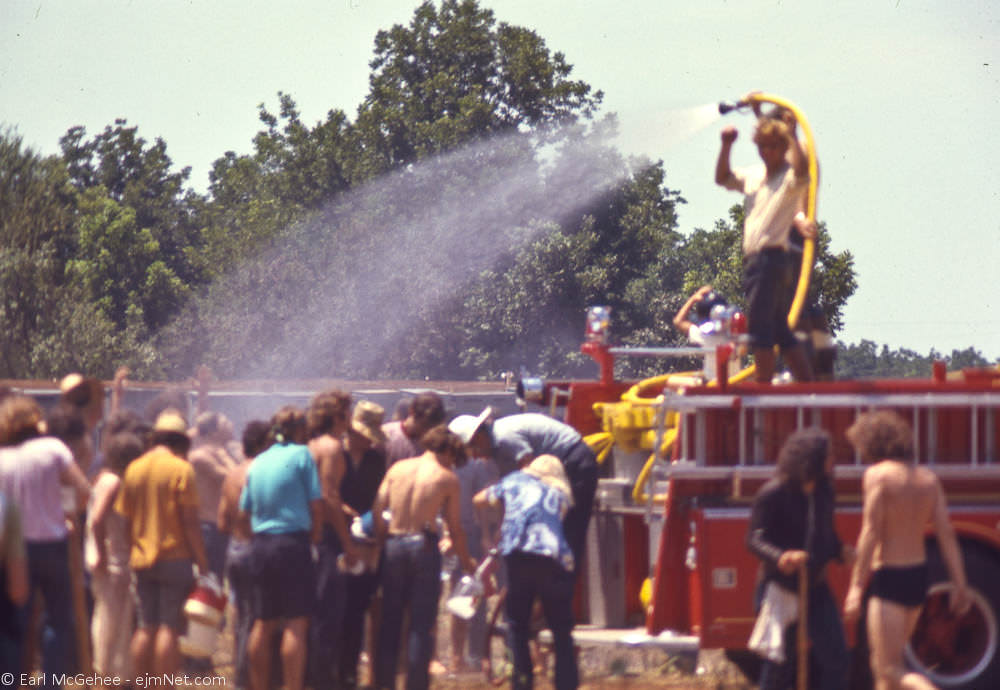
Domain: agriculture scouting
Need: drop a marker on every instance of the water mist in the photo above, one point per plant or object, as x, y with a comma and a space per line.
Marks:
359, 276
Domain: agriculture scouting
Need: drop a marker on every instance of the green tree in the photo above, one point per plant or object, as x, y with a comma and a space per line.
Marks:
150, 202
120, 265
294, 169
52, 323
865, 360
452, 76
969, 358
37, 204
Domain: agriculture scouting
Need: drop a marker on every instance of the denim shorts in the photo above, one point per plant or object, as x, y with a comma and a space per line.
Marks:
283, 574
767, 284
161, 591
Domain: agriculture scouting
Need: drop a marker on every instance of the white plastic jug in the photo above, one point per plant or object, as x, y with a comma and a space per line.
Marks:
464, 600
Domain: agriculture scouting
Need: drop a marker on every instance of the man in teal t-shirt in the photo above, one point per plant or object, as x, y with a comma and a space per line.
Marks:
282, 484
283, 500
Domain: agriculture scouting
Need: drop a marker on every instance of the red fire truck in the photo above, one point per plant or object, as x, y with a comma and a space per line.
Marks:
683, 461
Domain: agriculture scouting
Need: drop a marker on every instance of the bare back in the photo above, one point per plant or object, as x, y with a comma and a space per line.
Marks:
416, 491
328, 452
229, 520
904, 500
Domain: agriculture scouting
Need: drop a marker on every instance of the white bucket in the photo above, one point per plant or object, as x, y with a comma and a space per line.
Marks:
200, 640
203, 609
202, 612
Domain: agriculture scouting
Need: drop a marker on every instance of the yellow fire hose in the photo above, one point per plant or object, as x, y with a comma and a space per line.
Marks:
629, 423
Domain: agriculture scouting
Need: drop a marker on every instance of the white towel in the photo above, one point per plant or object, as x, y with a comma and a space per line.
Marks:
777, 611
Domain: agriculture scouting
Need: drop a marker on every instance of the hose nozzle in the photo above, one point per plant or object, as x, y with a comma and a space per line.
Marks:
726, 108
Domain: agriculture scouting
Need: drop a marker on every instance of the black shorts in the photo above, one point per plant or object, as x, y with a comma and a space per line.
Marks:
904, 585
767, 284
284, 580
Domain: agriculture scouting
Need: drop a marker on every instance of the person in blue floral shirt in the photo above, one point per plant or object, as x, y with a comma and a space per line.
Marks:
539, 563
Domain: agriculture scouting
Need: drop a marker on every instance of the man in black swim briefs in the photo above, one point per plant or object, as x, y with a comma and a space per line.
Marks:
904, 585
891, 550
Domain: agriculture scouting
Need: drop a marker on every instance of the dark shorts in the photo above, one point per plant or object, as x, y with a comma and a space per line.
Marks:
767, 283
161, 591
903, 585
283, 574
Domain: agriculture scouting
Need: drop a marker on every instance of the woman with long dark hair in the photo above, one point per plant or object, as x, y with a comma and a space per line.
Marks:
791, 527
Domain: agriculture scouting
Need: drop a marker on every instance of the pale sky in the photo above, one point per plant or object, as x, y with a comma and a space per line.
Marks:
903, 97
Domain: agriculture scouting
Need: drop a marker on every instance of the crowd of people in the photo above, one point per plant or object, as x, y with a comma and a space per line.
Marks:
328, 521
322, 523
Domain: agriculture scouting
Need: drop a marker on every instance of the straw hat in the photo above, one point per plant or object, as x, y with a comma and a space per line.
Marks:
172, 421
549, 469
367, 420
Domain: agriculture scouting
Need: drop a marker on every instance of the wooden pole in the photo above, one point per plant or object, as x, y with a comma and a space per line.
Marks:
802, 638
82, 628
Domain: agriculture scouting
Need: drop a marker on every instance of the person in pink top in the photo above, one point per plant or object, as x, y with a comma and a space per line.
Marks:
33, 470
425, 412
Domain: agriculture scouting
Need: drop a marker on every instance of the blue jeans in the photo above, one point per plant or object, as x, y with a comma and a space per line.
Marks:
327, 618
48, 572
829, 653
360, 590
216, 543
531, 577
241, 590
411, 580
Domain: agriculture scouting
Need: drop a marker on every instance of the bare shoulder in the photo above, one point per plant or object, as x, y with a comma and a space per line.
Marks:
199, 455
449, 478
400, 468
325, 445
926, 478
106, 484
107, 479
876, 476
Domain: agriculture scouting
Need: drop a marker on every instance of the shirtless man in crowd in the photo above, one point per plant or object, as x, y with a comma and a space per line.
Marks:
891, 550
416, 491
